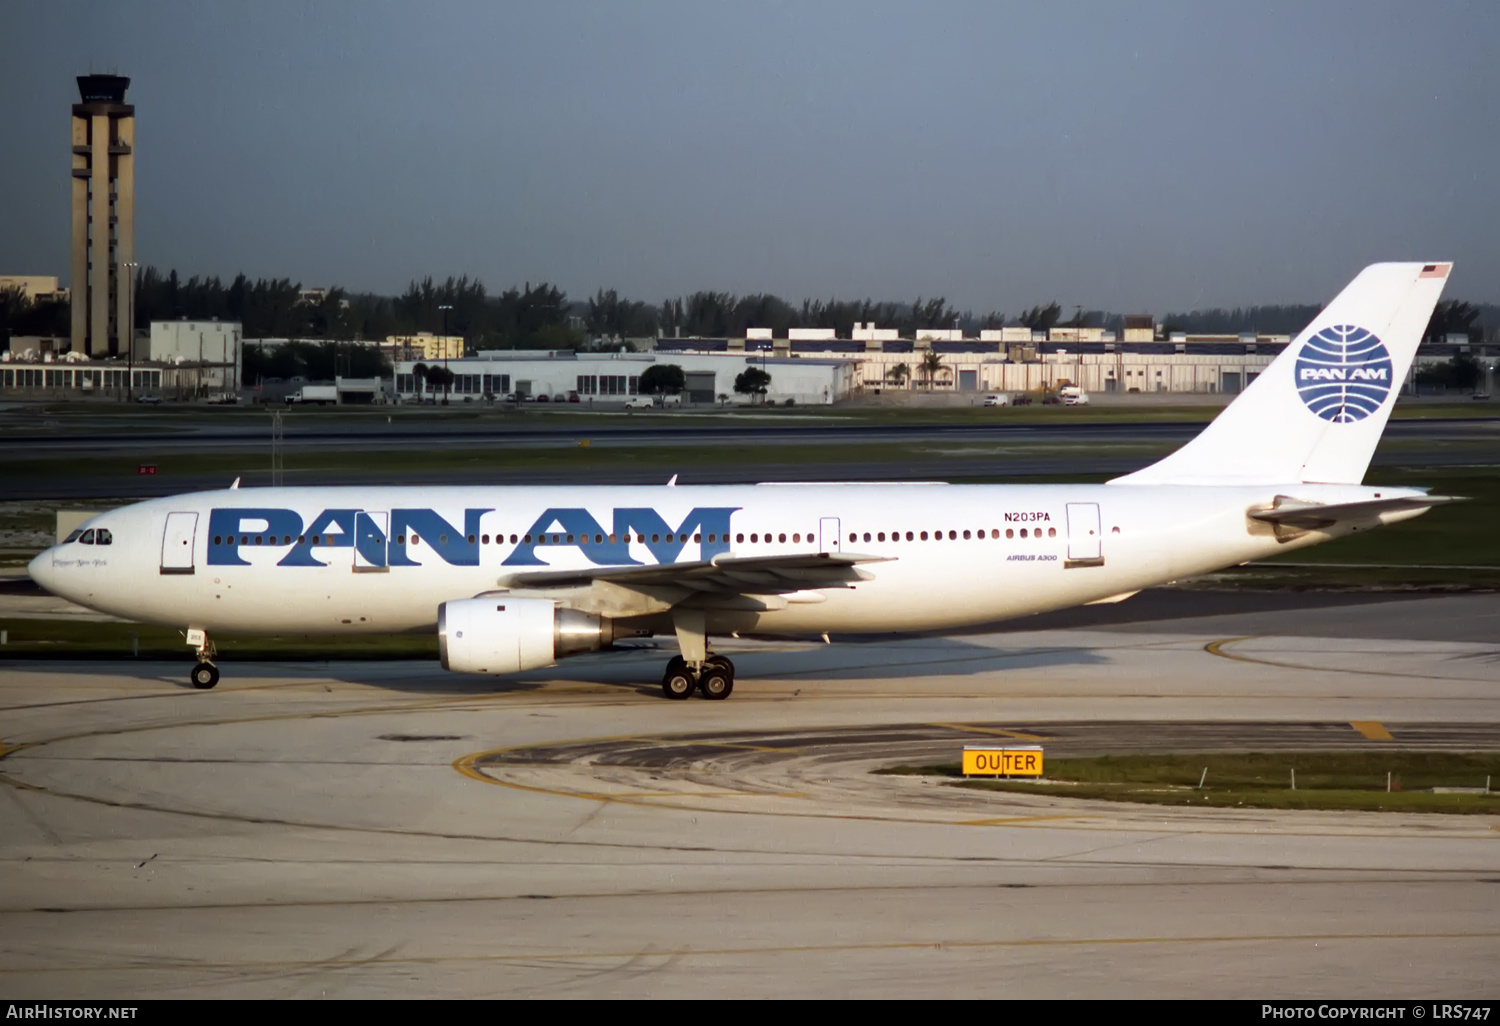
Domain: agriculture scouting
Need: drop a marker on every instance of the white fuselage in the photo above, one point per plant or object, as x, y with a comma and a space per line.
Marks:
277, 560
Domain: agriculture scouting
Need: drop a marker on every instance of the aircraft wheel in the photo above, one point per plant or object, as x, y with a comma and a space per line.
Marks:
204, 676
678, 683
715, 684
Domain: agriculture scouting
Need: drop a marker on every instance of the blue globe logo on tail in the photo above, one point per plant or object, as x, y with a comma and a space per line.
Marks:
1343, 373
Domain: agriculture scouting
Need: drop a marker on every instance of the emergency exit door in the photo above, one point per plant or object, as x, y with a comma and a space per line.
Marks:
1085, 535
828, 535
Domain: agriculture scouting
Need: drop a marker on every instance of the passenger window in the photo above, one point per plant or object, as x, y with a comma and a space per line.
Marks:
1023, 532
1051, 532
698, 536
218, 539
781, 537
953, 535
528, 539
598, 539
286, 539
302, 539
995, 533
414, 539
740, 538
867, 536
484, 539
258, 540
88, 537
570, 539
442, 539
797, 538
1010, 532
880, 536
103, 537
614, 539
1114, 530
754, 537
966, 536
656, 537
909, 536
924, 535
513, 539
471, 539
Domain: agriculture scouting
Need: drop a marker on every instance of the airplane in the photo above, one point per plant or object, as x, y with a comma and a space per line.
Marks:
517, 578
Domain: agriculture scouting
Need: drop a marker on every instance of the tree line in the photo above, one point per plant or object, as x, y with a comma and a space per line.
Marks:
541, 316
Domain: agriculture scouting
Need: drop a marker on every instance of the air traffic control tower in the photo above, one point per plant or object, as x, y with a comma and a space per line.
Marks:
103, 214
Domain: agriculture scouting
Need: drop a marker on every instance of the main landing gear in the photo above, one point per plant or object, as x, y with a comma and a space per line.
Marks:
714, 678
695, 668
205, 675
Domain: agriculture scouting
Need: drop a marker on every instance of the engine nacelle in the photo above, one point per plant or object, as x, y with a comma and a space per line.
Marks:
507, 635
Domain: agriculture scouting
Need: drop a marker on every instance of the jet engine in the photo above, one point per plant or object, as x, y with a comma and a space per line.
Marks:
500, 634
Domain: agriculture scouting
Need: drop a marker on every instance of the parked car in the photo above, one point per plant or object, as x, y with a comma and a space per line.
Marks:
996, 399
223, 399
639, 402
1021, 400
539, 399
559, 398
148, 399
573, 397
1075, 400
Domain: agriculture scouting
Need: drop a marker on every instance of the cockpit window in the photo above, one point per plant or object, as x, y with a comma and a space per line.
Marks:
88, 537
77, 533
103, 537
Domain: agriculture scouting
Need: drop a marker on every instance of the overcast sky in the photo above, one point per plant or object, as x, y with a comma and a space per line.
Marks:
1124, 156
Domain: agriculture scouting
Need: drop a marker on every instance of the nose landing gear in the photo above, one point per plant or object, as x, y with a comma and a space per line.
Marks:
205, 675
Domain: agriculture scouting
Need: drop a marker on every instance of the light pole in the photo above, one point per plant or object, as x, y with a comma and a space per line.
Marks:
445, 308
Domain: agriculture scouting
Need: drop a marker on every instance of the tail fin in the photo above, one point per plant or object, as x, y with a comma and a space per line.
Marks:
1316, 413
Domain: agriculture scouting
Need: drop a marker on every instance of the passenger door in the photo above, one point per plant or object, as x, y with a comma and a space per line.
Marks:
177, 543
370, 534
1085, 535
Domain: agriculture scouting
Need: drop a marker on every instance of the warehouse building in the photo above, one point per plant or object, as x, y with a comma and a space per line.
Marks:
1017, 358
615, 377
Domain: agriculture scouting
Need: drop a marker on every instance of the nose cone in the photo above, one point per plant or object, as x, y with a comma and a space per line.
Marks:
42, 572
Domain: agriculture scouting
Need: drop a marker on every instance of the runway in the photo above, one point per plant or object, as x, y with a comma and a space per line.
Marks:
94, 458
385, 829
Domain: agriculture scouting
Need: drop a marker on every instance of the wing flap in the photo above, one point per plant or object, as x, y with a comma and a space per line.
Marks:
739, 574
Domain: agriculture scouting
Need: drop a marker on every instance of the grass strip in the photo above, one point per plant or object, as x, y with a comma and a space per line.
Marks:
1263, 780
108, 640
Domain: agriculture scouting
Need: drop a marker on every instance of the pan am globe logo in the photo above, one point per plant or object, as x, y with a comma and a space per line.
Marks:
1343, 373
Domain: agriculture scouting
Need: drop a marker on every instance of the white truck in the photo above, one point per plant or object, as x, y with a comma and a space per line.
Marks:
323, 395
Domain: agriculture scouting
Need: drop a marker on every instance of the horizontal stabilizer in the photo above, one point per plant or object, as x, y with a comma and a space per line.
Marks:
742, 574
1313, 516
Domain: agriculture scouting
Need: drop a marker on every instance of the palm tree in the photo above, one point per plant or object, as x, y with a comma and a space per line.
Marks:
898, 374
931, 363
419, 371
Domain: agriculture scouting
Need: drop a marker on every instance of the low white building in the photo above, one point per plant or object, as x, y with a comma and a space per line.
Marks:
215, 348
615, 377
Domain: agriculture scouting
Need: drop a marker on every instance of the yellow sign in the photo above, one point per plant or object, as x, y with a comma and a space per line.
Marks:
1010, 761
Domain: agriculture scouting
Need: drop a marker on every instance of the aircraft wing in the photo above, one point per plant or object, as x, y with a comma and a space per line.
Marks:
759, 575
1312, 516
